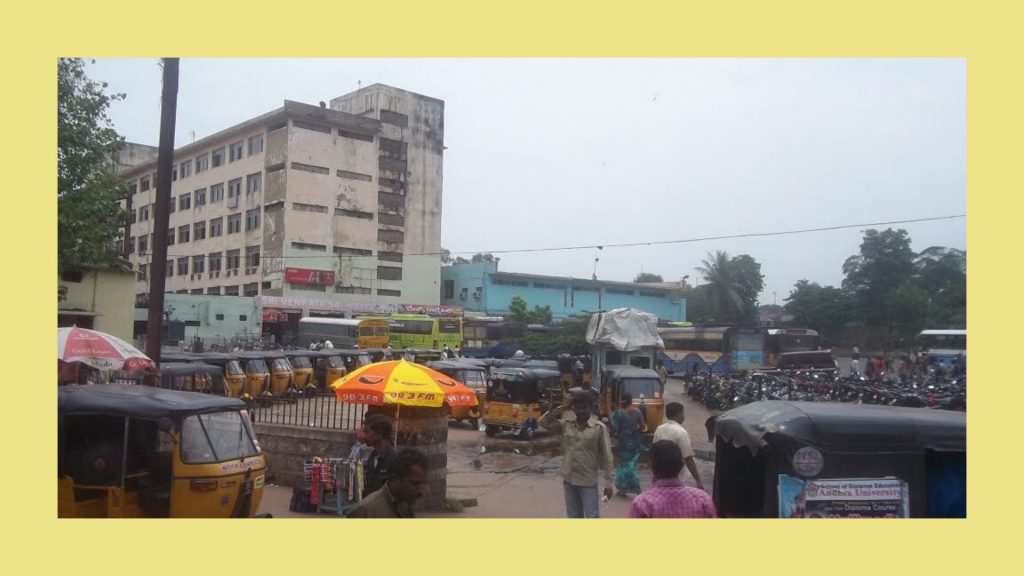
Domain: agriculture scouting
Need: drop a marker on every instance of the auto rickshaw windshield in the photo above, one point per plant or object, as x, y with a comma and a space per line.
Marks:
637, 387
301, 362
472, 378
518, 391
216, 437
256, 366
336, 362
233, 368
282, 365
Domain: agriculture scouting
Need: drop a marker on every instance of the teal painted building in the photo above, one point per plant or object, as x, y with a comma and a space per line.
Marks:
480, 287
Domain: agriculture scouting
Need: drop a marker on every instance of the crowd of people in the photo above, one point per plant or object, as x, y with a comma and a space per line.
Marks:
903, 365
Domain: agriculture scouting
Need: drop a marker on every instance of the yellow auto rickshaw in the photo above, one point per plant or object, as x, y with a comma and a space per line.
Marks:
517, 398
575, 371
302, 370
282, 377
257, 375
193, 377
234, 374
643, 384
140, 451
472, 376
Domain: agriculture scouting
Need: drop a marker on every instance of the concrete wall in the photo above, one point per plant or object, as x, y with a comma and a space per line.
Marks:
219, 317
288, 447
110, 295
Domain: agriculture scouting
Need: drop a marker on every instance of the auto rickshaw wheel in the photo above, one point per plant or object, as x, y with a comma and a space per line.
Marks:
491, 430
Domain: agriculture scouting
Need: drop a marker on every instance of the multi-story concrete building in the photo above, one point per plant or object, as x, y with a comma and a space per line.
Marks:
304, 203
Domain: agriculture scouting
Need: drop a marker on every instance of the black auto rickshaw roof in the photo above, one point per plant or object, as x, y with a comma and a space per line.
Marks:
525, 374
144, 402
852, 427
457, 364
189, 368
627, 371
218, 358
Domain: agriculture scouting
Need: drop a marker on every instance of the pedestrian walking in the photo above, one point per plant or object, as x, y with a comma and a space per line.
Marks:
586, 450
673, 431
405, 482
628, 425
668, 496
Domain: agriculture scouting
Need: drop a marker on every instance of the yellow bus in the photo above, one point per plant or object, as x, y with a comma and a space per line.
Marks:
344, 332
420, 331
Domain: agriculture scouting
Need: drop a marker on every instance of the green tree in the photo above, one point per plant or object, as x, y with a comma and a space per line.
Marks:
734, 285
518, 308
885, 263
647, 277
822, 308
89, 217
698, 304
942, 273
568, 337
910, 308
482, 257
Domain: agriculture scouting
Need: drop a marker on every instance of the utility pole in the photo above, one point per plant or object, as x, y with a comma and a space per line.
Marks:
165, 159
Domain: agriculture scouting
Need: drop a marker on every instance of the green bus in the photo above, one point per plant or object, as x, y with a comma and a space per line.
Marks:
420, 331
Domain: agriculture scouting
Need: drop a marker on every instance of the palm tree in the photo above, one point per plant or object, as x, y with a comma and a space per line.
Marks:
725, 298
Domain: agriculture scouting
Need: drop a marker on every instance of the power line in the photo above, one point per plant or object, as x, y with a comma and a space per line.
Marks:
701, 239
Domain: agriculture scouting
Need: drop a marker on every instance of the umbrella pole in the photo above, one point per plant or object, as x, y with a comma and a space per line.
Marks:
398, 418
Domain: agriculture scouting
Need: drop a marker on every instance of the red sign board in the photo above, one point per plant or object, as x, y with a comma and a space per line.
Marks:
307, 276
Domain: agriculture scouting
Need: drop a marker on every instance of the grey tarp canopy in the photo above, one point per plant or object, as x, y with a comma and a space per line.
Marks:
144, 402
844, 427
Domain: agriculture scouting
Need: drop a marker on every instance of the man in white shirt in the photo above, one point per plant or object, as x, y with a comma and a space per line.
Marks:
673, 430
328, 345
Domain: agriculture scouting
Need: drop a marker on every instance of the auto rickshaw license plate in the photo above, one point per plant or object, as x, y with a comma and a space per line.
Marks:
259, 482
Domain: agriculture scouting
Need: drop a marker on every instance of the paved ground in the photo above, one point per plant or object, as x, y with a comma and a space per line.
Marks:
513, 478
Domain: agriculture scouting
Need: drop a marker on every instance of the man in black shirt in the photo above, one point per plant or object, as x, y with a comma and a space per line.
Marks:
378, 430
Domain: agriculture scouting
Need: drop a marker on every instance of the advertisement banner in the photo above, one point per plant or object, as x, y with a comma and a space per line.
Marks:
843, 498
308, 276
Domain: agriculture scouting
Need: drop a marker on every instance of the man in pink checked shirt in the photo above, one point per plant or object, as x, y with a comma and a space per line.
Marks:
669, 497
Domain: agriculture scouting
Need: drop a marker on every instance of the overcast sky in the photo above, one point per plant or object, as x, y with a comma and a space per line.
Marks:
568, 152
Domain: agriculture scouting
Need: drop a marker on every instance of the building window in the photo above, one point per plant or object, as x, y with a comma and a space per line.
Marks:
214, 258
231, 290
307, 246
216, 193
133, 188
234, 259
170, 237
186, 168
256, 144
549, 286
389, 256
310, 126
383, 292
235, 223
653, 294
216, 227
144, 213
220, 316
170, 268
171, 205
218, 157
355, 135
389, 273
199, 264
354, 176
199, 230
310, 168
392, 219
301, 207
174, 174
196, 291
141, 275
131, 217
213, 290
390, 236
252, 219
252, 256
449, 289
182, 266
394, 118
183, 234
202, 163
235, 151
612, 291
185, 202
353, 214
200, 196
254, 183
234, 192
352, 290
249, 290
144, 184
345, 251
502, 282
143, 245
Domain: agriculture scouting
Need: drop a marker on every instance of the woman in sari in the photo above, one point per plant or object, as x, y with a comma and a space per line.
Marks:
628, 425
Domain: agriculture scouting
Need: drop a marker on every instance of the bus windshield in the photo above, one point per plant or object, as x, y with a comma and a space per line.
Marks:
944, 341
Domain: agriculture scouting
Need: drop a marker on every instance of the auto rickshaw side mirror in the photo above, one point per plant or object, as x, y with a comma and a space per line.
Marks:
165, 424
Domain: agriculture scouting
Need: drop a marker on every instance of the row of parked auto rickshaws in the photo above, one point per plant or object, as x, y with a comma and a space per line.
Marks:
514, 393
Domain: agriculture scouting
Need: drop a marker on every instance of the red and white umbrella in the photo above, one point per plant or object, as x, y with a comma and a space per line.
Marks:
99, 350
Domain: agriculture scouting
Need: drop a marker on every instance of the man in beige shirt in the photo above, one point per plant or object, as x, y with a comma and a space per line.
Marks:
673, 430
586, 449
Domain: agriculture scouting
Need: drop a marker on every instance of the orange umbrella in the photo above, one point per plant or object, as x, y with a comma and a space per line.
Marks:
403, 383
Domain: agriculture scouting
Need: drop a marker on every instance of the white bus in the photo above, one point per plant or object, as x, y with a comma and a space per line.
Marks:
943, 345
